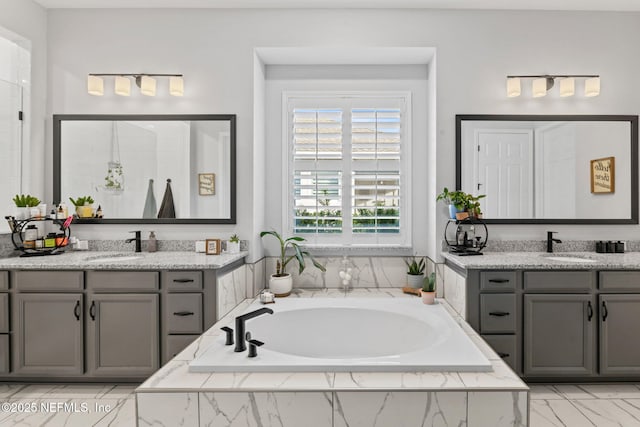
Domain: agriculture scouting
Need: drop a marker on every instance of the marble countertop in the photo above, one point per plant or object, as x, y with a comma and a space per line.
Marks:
103, 260
547, 261
176, 377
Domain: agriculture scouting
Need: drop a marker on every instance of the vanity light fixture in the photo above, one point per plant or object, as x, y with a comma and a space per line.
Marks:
145, 81
542, 83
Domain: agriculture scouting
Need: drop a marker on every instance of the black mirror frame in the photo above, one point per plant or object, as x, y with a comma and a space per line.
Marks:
633, 139
58, 118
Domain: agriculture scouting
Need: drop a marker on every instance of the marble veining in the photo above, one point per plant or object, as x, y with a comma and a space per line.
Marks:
232, 289
143, 260
541, 261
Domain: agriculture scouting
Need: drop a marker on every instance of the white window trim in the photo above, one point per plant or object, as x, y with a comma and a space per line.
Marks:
406, 219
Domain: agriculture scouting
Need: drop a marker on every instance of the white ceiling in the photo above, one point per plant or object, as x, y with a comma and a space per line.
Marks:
593, 5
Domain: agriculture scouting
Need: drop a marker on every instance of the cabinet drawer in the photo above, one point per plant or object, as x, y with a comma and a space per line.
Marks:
4, 313
177, 343
558, 281
49, 280
184, 313
4, 280
128, 281
497, 313
505, 347
4, 354
182, 280
619, 280
498, 280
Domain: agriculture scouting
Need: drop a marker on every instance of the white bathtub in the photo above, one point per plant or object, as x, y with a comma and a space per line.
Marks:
349, 334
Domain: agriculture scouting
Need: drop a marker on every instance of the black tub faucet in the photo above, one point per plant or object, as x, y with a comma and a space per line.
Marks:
137, 239
240, 320
550, 241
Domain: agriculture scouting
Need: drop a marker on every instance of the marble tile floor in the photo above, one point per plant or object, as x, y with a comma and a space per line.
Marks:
109, 405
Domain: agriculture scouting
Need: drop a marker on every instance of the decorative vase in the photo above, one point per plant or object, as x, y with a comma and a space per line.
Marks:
281, 285
85, 211
150, 208
415, 280
428, 297
233, 247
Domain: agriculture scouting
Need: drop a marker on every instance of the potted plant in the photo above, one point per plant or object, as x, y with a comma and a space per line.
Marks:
473, 206
455, 199
84, 206
281, 283
233, 244
415, 271
24, 203
428, 291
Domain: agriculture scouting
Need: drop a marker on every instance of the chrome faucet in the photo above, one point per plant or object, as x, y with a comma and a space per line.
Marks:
240, 320
137, 239
550, 241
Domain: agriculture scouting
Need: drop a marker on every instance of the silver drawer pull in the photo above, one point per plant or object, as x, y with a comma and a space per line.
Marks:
183, 313
183, 280
499, 313
498, 280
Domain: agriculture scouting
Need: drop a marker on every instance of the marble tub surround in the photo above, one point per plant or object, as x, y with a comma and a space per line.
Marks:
546, 261
175, 396
367, 272
127, 260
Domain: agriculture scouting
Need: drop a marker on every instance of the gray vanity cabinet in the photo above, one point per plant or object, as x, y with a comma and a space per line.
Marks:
559, 332
123, 323
49, 337
122, 335
4, 322
619, 343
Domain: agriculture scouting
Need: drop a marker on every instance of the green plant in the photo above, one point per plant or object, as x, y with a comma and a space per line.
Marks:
429, 283
298, 253
415, 267
473, 204
457, 198
25, 201
82, 201
234, 238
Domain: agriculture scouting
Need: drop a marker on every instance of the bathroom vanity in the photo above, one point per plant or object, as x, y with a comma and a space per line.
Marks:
92, 316
567, 316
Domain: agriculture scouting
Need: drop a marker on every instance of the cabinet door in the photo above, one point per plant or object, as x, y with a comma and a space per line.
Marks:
619, 344
559, 335
123, 335
49, 330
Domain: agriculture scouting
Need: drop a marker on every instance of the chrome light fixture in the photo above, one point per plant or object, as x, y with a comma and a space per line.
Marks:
541, 84
145, 81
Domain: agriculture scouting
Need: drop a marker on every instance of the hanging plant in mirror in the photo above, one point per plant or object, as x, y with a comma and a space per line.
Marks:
114, 181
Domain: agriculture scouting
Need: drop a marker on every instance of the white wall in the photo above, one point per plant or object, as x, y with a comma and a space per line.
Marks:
214, 49
25, 23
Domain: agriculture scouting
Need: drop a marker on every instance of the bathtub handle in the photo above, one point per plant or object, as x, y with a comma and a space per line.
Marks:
499, 313
229, 333
253, 346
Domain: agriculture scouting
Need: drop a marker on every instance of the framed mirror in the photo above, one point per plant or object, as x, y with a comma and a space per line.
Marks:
550, 169
163, 169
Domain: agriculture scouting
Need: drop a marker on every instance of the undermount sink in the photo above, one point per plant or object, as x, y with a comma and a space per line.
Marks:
115, 257
568, 258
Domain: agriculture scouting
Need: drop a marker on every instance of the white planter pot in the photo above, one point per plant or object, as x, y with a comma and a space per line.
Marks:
428, 297
281, 285
233, 247
415, 280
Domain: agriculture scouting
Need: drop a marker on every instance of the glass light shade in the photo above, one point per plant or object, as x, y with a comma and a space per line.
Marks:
592, 86
95, 85
176, 85
539, 87
567, 87
148, 86
123, 86
513, 87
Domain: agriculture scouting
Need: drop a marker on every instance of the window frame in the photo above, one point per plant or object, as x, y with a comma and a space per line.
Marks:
350, 239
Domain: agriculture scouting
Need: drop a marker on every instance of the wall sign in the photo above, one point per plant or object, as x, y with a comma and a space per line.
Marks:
603, 175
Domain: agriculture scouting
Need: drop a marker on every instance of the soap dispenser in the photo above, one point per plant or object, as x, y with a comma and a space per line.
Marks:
152, 244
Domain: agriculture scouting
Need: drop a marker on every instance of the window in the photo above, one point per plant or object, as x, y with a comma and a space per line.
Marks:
348, 168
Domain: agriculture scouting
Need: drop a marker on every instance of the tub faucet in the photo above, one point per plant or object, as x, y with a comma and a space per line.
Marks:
137, 239
240, 320
550, 241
